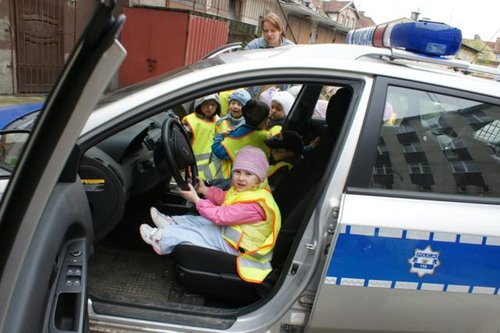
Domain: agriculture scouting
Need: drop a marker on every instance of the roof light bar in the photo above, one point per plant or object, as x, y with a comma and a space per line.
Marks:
424, 37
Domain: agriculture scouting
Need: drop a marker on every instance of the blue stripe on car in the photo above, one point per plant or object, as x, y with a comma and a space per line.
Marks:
374, 257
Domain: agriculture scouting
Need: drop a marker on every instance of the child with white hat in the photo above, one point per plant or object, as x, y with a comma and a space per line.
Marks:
281, 103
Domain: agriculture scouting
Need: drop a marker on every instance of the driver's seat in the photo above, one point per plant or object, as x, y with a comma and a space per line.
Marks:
213, 273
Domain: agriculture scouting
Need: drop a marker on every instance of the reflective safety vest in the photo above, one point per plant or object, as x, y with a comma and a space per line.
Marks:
275, 129
224, 101
222, 126
225, 125
232, 145
203, 133
254, 241
275, 167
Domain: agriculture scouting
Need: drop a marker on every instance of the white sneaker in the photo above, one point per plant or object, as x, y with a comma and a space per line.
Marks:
151, 236
159, 219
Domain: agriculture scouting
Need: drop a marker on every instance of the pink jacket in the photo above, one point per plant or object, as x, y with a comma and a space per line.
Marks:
211, 209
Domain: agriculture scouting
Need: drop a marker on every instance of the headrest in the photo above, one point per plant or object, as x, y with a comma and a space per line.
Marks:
338, 106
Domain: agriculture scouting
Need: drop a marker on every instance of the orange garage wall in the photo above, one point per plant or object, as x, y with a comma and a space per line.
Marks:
158, 41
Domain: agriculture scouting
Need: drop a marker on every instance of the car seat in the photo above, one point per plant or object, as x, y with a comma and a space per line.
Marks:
214, 274
309, 171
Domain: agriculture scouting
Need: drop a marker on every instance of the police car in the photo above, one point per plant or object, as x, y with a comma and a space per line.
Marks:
390, 225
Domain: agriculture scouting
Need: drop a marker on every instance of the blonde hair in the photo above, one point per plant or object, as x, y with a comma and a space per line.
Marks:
275, 22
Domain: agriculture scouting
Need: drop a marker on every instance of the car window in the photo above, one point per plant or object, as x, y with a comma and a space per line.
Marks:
438, 143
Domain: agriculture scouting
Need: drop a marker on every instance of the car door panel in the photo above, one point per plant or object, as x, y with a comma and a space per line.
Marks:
69, 299
65, 225
69, 213
414, 266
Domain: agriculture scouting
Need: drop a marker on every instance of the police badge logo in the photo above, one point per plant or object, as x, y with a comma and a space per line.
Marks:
424, 261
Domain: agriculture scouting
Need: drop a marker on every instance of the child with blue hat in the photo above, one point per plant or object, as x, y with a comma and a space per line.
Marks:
234, 117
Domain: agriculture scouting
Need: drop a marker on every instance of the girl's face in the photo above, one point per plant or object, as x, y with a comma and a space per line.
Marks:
208, 108
277, 111
271, 34
235, 109
244, 180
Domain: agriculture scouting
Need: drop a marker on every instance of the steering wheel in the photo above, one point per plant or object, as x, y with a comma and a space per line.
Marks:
176, 147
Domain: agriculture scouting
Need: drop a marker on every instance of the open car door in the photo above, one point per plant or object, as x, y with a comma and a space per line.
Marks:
45, 226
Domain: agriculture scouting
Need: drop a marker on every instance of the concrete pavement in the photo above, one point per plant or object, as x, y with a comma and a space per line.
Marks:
20, 99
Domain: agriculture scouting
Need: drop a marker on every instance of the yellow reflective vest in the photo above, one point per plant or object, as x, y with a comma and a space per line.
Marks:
254, 241
222, 126
275, 129
224, 101
273, 168
203, 133
226, 125
232, 145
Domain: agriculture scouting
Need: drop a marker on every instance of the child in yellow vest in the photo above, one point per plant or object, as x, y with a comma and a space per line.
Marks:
234, 117
200, 125
286, 150
243, 221
281, 103
252, 132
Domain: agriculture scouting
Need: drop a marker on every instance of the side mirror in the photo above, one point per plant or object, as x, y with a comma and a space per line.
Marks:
11, 147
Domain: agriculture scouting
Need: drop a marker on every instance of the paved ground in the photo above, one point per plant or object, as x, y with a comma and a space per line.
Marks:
9, 100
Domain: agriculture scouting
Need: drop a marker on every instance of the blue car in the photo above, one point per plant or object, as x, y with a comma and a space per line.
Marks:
19, 116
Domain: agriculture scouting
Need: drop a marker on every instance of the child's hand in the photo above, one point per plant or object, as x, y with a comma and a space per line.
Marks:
314, 142
202, 188
190, 195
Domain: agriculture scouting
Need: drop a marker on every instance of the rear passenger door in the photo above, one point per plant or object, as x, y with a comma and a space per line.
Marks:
417, 243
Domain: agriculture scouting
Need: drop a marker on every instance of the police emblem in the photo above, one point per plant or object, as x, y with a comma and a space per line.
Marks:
424, 261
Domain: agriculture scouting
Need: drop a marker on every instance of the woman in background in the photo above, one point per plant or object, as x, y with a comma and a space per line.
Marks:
273, 34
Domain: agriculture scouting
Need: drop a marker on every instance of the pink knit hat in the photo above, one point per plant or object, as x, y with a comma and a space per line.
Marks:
252, 159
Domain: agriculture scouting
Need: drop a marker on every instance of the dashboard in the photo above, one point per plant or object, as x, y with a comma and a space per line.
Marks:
120, 167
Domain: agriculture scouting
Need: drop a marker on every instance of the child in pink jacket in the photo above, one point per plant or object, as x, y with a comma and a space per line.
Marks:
247, 207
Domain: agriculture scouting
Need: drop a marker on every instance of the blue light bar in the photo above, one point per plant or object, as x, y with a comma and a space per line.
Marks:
429, 38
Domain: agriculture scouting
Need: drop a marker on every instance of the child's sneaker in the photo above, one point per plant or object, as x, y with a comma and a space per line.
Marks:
159, 219
151, 236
